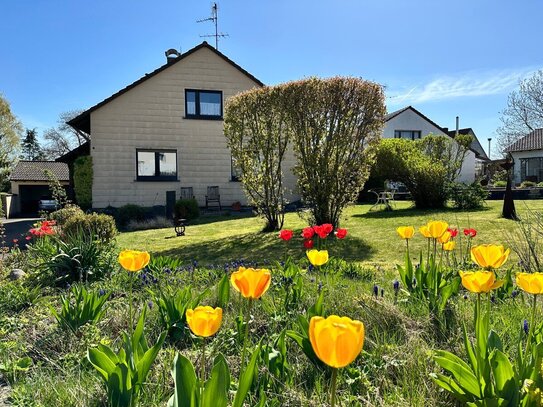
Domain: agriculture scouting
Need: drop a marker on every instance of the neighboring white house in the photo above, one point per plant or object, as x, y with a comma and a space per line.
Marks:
411, 124
527, 153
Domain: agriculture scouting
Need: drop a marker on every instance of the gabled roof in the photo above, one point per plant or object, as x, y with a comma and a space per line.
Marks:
532, 141
82, 122
475, 145
35, 171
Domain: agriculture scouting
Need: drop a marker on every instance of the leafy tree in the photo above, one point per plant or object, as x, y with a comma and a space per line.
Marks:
10, 135
524, 111
30, 146
336, 124
257, 135
448, 152
63, 138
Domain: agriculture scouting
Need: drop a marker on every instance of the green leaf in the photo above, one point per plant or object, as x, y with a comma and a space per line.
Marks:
101, 363
185, 381
223, 292
119, 387
144, 365
216, 388
451, 386
460, 370
504, 376
494, 342
246, 379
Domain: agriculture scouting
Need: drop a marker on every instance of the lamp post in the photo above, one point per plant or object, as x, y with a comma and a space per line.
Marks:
489, 140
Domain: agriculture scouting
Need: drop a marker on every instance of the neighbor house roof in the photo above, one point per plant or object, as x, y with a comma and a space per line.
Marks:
532, 141
72, 155
475, 146
82, 122
35, 171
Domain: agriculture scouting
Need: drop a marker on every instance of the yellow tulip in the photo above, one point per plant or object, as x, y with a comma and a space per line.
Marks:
204, 321
532, 283
449, 246
337, 341
489, 255
406, 232
424, 231
436, 228
317, 257
445, 237
133, 260
251, 283
480, 281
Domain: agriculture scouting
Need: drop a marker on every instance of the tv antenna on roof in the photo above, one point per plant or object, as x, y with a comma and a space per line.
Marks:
214, 18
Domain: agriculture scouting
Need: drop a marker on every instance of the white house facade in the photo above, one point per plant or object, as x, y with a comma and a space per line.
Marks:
527, 154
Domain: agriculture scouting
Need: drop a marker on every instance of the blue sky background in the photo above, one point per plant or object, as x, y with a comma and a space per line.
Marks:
445, 58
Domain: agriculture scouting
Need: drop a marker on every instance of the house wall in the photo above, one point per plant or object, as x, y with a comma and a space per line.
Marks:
517, 155
150, 116
409, 120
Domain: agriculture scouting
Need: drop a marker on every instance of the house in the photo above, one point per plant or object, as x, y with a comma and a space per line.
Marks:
164, 132
411, 124
29, 183
527, 154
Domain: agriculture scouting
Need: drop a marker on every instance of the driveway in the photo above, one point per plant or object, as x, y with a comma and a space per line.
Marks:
18, 229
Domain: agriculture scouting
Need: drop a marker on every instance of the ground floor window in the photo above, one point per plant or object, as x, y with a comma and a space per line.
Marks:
156, 165
531, 169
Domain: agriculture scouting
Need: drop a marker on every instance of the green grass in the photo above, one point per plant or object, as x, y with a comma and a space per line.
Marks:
372, 235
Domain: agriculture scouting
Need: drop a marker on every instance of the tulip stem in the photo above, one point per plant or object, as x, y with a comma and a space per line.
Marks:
531, 330
130, 316
203, 363
246, 335
333, 387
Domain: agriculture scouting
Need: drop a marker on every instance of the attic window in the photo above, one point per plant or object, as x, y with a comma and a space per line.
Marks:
407, 134
203, 104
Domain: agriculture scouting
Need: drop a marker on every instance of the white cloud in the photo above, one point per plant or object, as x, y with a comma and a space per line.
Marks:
466, 84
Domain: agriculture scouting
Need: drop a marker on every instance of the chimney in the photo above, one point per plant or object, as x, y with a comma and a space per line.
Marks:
457, 126
171, 55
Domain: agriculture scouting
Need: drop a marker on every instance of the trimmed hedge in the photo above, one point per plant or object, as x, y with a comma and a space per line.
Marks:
61, 216
130, 212
98, 224
83, 181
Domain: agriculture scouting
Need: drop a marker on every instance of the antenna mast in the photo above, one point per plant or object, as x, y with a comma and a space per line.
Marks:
215, 20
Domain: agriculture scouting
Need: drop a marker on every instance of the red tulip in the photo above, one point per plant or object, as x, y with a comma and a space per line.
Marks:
308, 232
285, 234
323, 230
453, 232
341, 233
470, 232
308, 244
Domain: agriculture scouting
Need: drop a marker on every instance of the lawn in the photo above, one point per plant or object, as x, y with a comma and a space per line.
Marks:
372, 236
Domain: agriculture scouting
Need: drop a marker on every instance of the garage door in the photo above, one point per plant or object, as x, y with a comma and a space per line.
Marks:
29, 195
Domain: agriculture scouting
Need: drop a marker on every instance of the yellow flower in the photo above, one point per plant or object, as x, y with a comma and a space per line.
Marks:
449, 246
204, 321
489, 255
251, 283
133, 260
317, 257
444, 238
424, 231
437, 228
532, 283
337, 341
480, 281
406, 232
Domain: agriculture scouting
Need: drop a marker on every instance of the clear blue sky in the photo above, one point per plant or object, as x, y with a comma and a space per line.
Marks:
446, 58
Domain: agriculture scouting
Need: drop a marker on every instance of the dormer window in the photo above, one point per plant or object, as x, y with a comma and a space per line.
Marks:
203, 104
407, 134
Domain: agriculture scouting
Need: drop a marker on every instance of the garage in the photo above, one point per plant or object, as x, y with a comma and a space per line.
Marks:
29, 183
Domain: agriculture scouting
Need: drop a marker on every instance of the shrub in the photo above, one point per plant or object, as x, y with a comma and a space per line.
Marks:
159, 222
62, 215
130, 212
499, 176
83, 181
527, 184
470, 196
500, 184
100, 225
187, 209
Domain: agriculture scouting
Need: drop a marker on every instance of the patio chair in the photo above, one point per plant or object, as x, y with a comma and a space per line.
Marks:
187, 193
213, 195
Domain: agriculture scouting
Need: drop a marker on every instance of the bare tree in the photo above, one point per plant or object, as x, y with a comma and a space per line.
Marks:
524, 111
63, 138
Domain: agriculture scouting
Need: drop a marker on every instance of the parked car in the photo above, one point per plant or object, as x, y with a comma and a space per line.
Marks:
47, 204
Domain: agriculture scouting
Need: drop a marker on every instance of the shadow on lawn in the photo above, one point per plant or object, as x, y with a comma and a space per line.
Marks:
264, 248
412, 211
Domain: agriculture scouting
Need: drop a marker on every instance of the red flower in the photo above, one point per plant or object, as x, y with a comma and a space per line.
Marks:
453, 232
308, 232
28, 237
341, 233
323, 230
308, 244
285, 234
470, 232
15, 241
